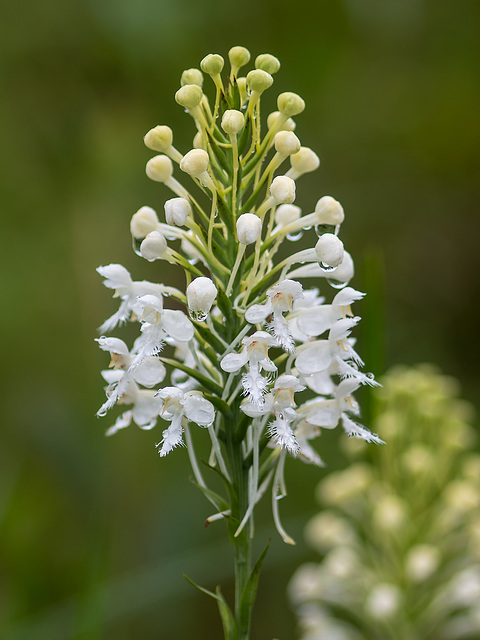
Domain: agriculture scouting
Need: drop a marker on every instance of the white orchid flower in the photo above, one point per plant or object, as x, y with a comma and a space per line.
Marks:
283, 407
148, 373
157, 324
315, 320
179, 406
255, 356
119, 279
280, 301
326, 413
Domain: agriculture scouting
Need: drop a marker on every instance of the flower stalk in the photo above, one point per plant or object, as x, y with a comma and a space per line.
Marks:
255, 356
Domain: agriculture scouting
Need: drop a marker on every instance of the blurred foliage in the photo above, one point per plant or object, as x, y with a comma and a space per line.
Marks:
399, 528
95, 533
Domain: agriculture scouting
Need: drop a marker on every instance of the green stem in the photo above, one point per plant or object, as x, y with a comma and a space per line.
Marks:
242, 543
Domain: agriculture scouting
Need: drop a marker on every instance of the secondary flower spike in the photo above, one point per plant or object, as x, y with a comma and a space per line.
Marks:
251, 344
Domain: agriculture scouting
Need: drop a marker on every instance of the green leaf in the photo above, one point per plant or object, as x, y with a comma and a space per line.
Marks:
218, 502
228, 621
206, 382
250, 592
225, 305
220, 404
208, 337
228, 484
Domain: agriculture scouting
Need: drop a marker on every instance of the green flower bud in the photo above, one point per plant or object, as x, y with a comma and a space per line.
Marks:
159, 168
238, 56
282, 190
259, 80
212, 64
290, 104
267, 63
154, 246
249, 228
242, 89
276, 120
192, 76
195, 162
143, 222
286, 213
159, 138
286, 143
233, 121
304, 161
189, 96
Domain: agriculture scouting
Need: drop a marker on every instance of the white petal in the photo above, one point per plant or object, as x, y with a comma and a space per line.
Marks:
234, 361
146, 409
354, 429
169, 392
268, 365
172, 437
314, 357
322, 414
177, 325
199, 410
320, 382
112, 375
121, 422
282, 433
113, 345
257, 313
150, 372
347, 296
313, 322
254, 411
115, 276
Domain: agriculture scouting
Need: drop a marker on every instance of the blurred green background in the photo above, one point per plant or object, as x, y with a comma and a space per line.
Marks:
95, 532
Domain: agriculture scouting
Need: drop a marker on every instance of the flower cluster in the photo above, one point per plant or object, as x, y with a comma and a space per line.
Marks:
400, 535
248, 350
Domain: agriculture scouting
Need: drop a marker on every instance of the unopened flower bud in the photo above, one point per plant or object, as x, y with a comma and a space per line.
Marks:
189, 96
286, 143
159, 138
233, 121
177, 211
283, 190
329, 250
212, 64
259, 81
268, 63
192, 76
290, 104
195, 162
238, 56
275, 120
345, 270
242, 89
198, 141
143, 222
159, 168
304, 161
249, 228
329, 211
201, 294
153, 246
286, 213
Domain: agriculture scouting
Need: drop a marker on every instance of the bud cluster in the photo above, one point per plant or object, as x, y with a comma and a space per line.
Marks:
248, 350
400, 534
